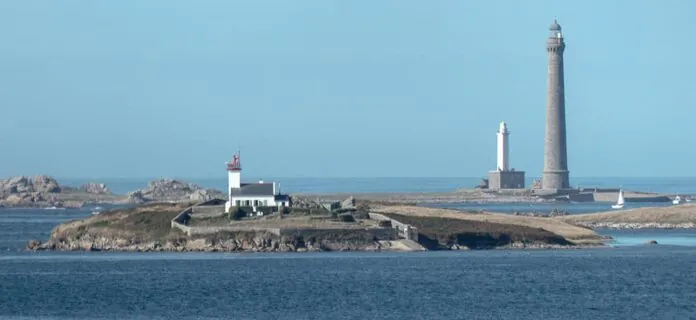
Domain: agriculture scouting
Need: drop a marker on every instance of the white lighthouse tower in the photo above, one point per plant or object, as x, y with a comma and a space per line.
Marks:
503, 148
504, 177
234, 178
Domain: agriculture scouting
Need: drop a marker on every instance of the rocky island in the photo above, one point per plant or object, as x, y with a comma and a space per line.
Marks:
44, 191
172, 215
310, 226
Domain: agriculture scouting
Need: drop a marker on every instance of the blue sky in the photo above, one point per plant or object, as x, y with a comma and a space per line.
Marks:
340, 88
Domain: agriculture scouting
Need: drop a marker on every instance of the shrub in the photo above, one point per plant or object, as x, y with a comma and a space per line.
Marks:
361, 215
283, 210
237, 214
384, 223
346, 218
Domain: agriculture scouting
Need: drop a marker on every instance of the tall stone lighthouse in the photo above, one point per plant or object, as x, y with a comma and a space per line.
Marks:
555, 175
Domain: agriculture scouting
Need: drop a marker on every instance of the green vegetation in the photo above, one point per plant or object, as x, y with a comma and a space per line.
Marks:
222, 219
142, 223
346, 218
237, 214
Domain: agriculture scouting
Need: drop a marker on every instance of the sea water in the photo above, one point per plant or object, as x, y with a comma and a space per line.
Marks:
390, 184
630, 280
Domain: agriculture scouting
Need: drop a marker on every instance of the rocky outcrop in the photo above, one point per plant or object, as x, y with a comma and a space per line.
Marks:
45, 184
348, 203
239, 242
95, 188
135, 197
37, 192
44, 191
202, 195
24, 185
304, 203
16, 185
171, 190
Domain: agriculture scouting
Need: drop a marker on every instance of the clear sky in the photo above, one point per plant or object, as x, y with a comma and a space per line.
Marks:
340, 88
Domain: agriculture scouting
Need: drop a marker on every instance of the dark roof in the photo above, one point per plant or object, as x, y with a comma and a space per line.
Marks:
555, 26
253, 189
282, 197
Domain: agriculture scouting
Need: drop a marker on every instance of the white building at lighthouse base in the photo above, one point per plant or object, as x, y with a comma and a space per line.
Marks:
255, 196
503, 177
251, 196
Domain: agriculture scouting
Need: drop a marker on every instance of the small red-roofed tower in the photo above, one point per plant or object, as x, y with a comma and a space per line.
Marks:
234, 178
234, 172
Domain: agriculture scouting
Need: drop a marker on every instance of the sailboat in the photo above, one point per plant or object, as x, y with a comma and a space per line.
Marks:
619, 202
678, 200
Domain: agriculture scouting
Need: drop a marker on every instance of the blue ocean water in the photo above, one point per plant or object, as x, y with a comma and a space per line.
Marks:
622, 283
335, 185
630, 280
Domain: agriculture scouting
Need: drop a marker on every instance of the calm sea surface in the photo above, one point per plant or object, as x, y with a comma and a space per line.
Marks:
329, 185
628, 281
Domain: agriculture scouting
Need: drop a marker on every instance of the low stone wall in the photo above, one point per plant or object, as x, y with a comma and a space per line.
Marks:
405, 231
181, 219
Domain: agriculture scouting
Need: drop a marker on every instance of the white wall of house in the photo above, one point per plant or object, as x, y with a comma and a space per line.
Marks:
260, 201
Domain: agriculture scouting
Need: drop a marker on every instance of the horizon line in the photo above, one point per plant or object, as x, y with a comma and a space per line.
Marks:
354, 177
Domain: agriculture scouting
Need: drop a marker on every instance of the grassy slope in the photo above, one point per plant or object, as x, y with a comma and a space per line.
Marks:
317, 222
143, 223
573, 233
476, 234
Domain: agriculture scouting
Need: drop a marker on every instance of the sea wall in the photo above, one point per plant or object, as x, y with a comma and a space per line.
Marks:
403, 230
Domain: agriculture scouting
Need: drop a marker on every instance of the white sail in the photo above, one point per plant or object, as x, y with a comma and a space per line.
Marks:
620, 201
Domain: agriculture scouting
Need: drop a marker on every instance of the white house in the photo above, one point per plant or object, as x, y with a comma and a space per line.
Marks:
254, 195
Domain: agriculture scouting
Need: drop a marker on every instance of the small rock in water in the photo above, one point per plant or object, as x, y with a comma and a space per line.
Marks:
651, 242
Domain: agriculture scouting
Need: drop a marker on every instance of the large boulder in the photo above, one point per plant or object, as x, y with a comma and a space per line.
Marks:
348, 203
169, 188
45, 184
201, 195
95, 188
300, 202
18, 184
136, 197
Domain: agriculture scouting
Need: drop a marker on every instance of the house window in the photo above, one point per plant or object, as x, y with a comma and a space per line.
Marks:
237, 203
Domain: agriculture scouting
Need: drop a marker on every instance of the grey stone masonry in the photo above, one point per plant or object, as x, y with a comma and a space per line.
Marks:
555, 175
505, 180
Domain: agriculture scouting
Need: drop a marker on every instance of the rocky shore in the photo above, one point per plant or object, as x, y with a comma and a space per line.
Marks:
147, 228
670, 217
250, 242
